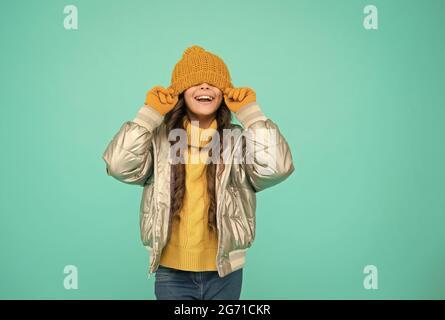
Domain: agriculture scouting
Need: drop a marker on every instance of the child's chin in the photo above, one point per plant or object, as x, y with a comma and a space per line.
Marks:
205, 110
204, 113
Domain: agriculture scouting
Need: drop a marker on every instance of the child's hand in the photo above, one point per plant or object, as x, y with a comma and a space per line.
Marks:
161, 99
236, 98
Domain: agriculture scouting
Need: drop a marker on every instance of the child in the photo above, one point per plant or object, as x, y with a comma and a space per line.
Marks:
197, 218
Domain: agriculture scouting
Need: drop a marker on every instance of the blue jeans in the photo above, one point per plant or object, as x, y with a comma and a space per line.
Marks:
174, 284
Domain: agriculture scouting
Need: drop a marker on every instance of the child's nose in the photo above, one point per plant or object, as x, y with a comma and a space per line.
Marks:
204, 85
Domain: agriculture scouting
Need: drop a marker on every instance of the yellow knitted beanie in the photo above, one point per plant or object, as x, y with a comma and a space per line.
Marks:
198, 65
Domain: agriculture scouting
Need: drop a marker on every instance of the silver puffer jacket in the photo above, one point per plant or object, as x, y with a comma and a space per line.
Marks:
138, 154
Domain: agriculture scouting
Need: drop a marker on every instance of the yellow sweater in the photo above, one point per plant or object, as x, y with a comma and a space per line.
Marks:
192, 246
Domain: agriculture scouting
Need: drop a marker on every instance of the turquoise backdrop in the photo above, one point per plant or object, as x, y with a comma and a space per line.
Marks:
363, 111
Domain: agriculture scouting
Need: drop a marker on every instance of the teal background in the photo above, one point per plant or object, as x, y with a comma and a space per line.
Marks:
363, 112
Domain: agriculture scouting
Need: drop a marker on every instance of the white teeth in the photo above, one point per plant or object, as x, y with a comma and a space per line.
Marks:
209, 98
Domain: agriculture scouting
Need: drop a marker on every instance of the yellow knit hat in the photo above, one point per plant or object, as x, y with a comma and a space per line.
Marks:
198, 65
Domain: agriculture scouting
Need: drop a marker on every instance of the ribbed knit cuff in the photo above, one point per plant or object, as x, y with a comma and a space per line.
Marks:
249, 113
148, 117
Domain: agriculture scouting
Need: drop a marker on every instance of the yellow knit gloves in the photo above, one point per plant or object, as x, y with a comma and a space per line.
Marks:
161, 99
164, 99
236, 98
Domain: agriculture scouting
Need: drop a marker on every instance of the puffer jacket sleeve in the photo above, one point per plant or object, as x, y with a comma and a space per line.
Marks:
267, 158
129, 155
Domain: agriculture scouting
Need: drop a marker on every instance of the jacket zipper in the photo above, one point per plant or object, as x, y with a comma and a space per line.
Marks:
154, 258
219, 205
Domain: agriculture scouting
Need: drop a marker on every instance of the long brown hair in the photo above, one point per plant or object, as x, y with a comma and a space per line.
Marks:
173, 120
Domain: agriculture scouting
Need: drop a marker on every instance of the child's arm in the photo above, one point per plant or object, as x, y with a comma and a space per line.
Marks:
267, 158
128, 156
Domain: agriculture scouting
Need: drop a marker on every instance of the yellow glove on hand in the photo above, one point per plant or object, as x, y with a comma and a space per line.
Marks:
236, 98
161, 99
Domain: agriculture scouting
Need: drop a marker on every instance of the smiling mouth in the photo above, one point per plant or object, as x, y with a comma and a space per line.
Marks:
204, 99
